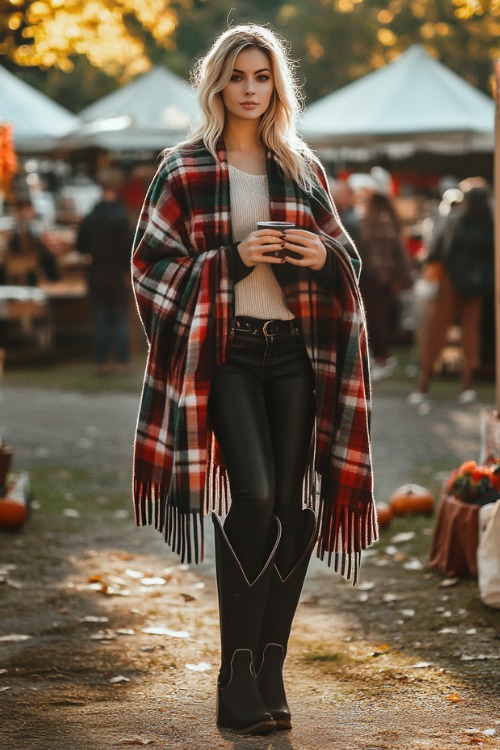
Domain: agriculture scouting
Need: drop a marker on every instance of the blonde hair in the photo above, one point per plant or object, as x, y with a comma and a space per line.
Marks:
278, 126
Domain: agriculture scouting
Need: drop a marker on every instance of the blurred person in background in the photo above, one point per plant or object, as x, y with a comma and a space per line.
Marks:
104, 238
385, 271
28, 260
464, 252
344, 199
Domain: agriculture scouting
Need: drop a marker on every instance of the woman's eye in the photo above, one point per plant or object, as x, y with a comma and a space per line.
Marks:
263, 77
235, 77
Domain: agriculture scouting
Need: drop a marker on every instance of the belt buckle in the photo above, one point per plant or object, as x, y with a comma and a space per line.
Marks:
264, 329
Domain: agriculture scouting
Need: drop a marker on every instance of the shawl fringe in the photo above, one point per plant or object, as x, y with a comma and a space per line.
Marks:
344, 534
183, 531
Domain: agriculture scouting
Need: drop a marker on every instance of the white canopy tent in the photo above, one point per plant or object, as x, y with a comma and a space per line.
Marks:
152, 112
37, 121
413, 104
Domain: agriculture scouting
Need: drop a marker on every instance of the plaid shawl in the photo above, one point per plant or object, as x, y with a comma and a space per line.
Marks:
182, 274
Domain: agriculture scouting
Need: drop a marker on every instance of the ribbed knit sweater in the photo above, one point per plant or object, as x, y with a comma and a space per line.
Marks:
259, 294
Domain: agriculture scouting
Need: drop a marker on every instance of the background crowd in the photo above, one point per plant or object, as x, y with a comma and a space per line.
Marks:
428, 284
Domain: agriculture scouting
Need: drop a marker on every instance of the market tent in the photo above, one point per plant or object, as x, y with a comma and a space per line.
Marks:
413, 104
155, 110
36, 120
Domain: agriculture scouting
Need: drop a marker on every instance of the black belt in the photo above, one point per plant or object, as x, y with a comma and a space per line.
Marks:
265, 327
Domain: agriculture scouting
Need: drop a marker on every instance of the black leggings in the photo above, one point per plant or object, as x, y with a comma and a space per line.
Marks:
262, 410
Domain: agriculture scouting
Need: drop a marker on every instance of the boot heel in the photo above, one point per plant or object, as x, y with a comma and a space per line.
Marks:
239, 705
272, 689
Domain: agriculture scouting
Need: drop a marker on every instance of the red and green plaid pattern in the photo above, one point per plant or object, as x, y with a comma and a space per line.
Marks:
183, 285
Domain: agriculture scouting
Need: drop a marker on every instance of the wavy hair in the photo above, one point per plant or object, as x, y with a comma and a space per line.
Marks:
278, 126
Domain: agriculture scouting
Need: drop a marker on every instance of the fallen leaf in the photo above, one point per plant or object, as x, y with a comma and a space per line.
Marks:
153, 581
447, 631
134, 573
405, 536
389, 598
421, 665
413, 564
400, 557
390, 550
135, 741
118, 581
448, 582
188, 597
71, 513
366, 586
103, 635
408, 612
6, 569
127, 556
201, 667
14, 638
454, 698
383, 649
125, 631
93, 618
166, 631
14, 584
309, 600
119, 679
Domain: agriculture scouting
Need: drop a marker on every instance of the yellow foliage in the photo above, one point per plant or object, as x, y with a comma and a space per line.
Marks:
469, 8
97, 29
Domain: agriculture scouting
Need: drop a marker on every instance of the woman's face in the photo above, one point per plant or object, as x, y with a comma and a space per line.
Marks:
248, 93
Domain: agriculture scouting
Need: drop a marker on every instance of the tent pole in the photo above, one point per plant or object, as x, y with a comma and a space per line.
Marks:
490, 418
497, 231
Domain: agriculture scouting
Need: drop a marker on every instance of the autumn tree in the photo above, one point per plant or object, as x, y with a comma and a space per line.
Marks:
109, 33
341, 40
86, 47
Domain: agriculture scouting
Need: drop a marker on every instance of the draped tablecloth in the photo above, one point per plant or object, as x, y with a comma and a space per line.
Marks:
455, 539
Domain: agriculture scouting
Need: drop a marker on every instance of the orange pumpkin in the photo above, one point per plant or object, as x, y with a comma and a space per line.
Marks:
12, 513
411, 499
384, 515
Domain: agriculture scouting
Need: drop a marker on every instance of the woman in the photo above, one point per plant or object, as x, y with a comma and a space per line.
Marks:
466, 251
255, 402
386, 269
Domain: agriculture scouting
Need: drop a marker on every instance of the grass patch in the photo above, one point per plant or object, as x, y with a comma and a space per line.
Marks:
76, 376
90, 492
404, 380
326, 657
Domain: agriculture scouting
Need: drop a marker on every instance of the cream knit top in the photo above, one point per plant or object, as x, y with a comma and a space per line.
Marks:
259, 294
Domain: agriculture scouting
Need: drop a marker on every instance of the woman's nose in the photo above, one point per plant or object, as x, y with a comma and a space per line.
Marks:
250, 87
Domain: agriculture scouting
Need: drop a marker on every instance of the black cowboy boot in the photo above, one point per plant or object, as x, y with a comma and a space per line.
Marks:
283, 598
241, 607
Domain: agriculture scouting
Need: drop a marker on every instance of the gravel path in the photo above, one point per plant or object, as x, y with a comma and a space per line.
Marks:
363, 672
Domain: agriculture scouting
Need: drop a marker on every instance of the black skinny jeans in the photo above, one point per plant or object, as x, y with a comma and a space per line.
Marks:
262, 409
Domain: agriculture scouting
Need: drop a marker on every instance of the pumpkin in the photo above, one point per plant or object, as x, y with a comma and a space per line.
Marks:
12, 513
411, 499
384, 515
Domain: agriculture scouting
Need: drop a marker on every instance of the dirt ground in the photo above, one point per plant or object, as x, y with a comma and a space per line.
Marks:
107, 641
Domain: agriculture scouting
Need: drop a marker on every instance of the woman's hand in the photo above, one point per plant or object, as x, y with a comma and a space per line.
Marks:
263, 246
295, 246
303, 248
